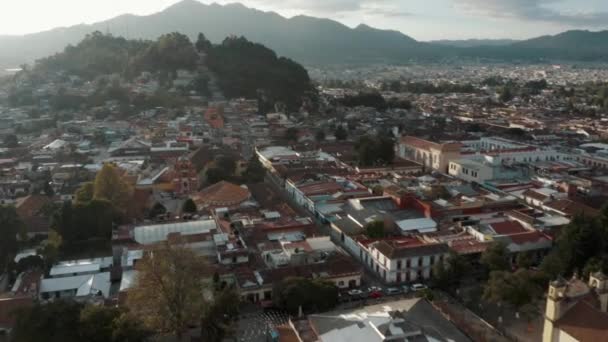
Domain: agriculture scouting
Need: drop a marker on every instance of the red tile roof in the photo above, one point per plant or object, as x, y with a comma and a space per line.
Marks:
222, 194
585, 322
508, 227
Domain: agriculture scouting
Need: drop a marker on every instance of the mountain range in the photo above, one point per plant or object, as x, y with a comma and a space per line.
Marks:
305, 39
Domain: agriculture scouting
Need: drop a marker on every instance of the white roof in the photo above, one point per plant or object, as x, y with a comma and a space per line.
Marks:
272, 215
83, 284
24, 254
60, 270
57, 144
277, 151
151, 234
422, 225
128, 279
322, 243
131, 256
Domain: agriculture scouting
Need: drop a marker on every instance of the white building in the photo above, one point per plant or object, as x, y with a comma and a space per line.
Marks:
406, 261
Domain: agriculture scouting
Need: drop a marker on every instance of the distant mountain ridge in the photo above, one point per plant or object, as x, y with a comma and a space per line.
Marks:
305, 39
467, 43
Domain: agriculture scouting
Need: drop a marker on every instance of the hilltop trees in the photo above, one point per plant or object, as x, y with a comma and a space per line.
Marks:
247, 69
169, 53
202, 43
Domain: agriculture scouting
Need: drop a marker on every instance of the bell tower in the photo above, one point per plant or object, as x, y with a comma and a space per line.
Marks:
554, 309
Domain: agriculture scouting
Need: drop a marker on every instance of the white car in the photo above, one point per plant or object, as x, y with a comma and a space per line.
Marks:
355, 292
418, 287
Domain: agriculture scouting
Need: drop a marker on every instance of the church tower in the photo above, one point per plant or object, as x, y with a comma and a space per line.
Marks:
555, 307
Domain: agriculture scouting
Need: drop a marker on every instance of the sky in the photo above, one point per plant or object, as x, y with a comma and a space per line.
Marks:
421, 19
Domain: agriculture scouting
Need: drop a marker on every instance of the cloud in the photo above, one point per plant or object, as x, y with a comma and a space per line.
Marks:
532, 10
386, 12
387, 8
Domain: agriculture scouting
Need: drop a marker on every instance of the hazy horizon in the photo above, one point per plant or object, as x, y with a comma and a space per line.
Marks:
423, 20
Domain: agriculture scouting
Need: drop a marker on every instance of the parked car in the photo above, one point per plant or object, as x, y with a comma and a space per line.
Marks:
391, 291
375, 294
419, 287
405, 288
374, 288
355, 292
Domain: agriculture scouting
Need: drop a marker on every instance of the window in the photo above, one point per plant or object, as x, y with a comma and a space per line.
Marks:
408, 263
432, 259
398, 264
420, 261
341, 283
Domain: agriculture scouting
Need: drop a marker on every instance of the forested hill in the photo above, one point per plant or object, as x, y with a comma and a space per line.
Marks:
243, 68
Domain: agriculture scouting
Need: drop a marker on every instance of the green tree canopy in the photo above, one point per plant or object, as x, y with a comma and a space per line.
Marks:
202, 43
10, 227
11, 141
311, 294
189, 206
251, 70
375, 150
517, 289
320, 135
255, 172
341, 133
496, 257
375, 230
69, 321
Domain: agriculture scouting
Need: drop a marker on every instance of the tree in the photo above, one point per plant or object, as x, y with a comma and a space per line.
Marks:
202, 43
84, 222
291, 134
341, 133
157, 210
109, 185
320, 135
378, 150
524, 260
189, 206
11, 141
226, 164
310, 294
53, 322
50, 248
375, 230
496, 257
10, 226
70, 321
517, 289
448, 275
367, 99
30, 262
215, 175
251, 70
506, 94
255, 172
220, 314
85, 193
168, 294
